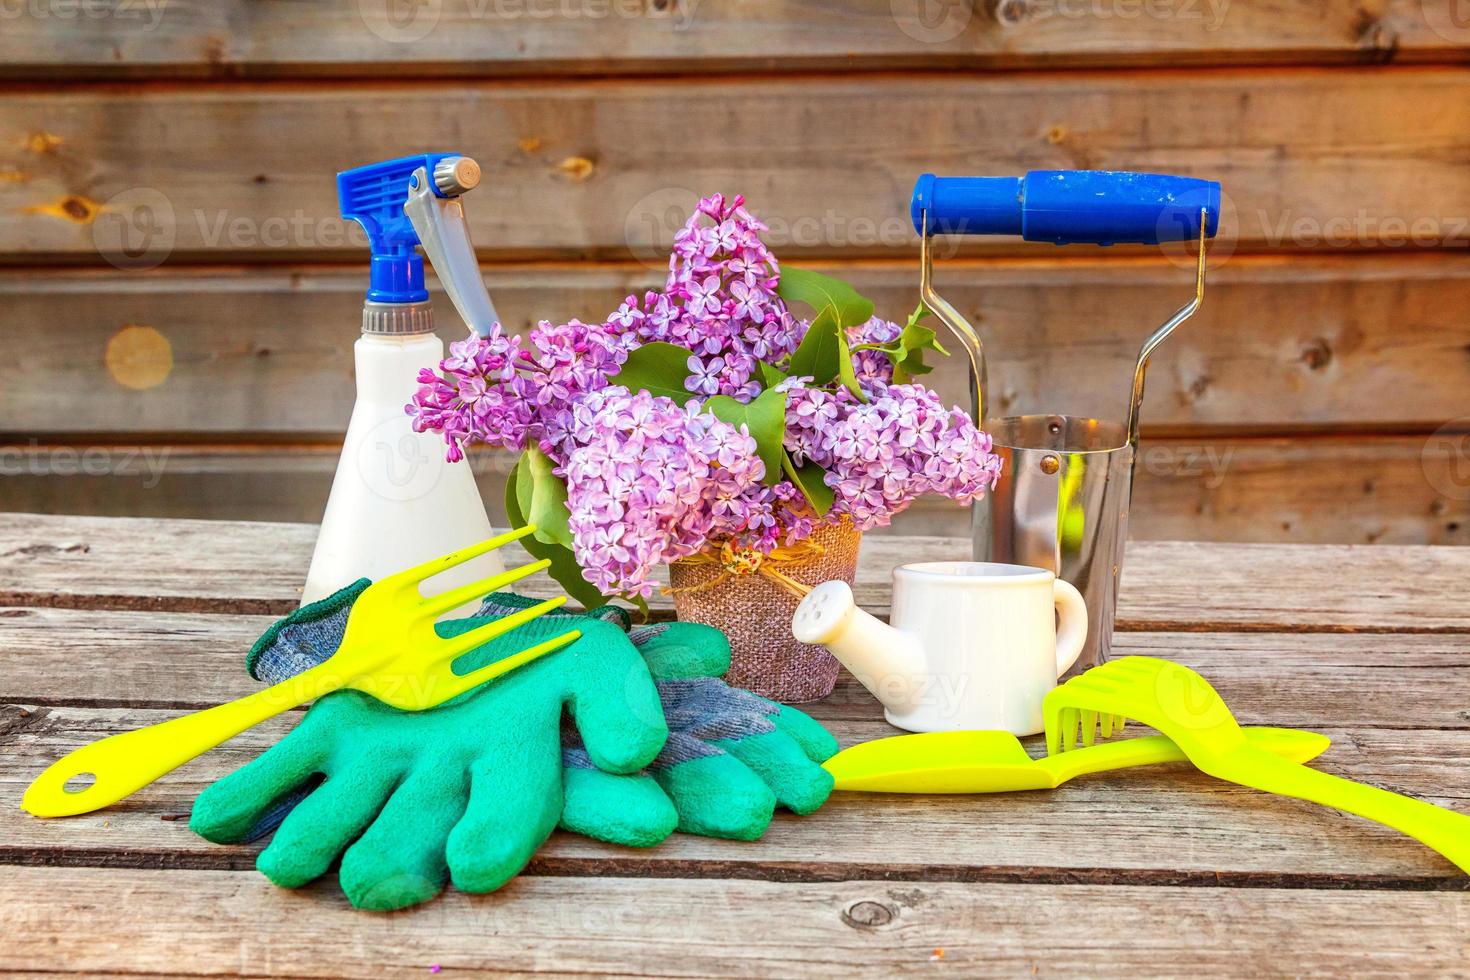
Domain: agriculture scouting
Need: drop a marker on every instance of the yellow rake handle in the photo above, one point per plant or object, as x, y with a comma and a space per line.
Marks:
124, 763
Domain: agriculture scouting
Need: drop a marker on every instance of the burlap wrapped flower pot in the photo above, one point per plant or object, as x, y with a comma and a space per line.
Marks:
751, 597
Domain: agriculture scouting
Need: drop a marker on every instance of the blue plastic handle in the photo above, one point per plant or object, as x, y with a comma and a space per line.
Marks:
374, 196
1066, 207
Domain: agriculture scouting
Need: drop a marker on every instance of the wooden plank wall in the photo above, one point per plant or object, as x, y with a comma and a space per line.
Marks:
179, 299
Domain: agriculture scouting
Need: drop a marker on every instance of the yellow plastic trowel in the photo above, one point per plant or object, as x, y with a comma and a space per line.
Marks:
996, 762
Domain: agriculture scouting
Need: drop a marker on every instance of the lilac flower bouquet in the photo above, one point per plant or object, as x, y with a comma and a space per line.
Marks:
711, 412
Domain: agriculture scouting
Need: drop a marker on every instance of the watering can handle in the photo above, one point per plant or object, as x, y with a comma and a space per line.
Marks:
1068, 207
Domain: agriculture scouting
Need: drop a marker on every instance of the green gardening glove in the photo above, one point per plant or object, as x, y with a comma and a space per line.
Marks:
731, 757
466, 791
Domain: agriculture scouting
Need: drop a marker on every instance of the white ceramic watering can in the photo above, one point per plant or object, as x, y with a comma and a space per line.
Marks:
972, 645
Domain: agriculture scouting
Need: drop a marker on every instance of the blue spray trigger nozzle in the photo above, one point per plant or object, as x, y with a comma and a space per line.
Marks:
374, 196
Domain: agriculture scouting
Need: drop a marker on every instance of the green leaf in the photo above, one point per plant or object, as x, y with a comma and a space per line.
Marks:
849, 307
542, 497
915, 317
564, 568
771, 376
765, 420
906, 353
845, 372
823, 353
809, 480
817, 356
824, 356
657, 368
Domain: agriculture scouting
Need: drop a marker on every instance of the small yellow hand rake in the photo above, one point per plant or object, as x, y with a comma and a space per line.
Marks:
390, 650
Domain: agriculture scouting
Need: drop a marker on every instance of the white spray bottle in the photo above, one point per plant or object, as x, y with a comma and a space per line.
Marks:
395, 500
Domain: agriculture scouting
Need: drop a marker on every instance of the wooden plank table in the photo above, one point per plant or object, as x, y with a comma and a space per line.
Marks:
107, 624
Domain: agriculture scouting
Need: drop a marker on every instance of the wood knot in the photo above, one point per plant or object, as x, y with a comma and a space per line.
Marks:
73, 207
43, 142
1317, 354
577, 168
868, 915
78, 209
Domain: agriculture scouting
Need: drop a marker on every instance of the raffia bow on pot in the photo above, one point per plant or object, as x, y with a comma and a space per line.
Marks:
751, 596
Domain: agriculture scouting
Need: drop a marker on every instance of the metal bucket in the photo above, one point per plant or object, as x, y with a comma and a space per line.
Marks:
1066, 482
1062, 504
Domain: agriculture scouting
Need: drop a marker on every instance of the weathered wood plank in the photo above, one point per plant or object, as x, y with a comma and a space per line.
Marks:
594, 168
224, 566
168, 660
1314, 490
462, 38
1366, 341
221, 922
1157, 826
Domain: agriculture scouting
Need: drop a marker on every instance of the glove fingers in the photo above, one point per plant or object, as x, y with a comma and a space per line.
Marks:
678, 651
800, 784
628, 810
513, 807
613, 700
237, 807
818, 743
322, 825
400, 860
718, 796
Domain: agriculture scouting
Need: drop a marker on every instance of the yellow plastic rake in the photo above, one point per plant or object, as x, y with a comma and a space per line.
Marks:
390, 650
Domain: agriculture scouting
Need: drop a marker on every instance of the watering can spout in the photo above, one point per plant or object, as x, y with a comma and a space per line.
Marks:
886, 661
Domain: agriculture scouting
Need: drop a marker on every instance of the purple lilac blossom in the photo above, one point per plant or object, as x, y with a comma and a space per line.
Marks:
649, 480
